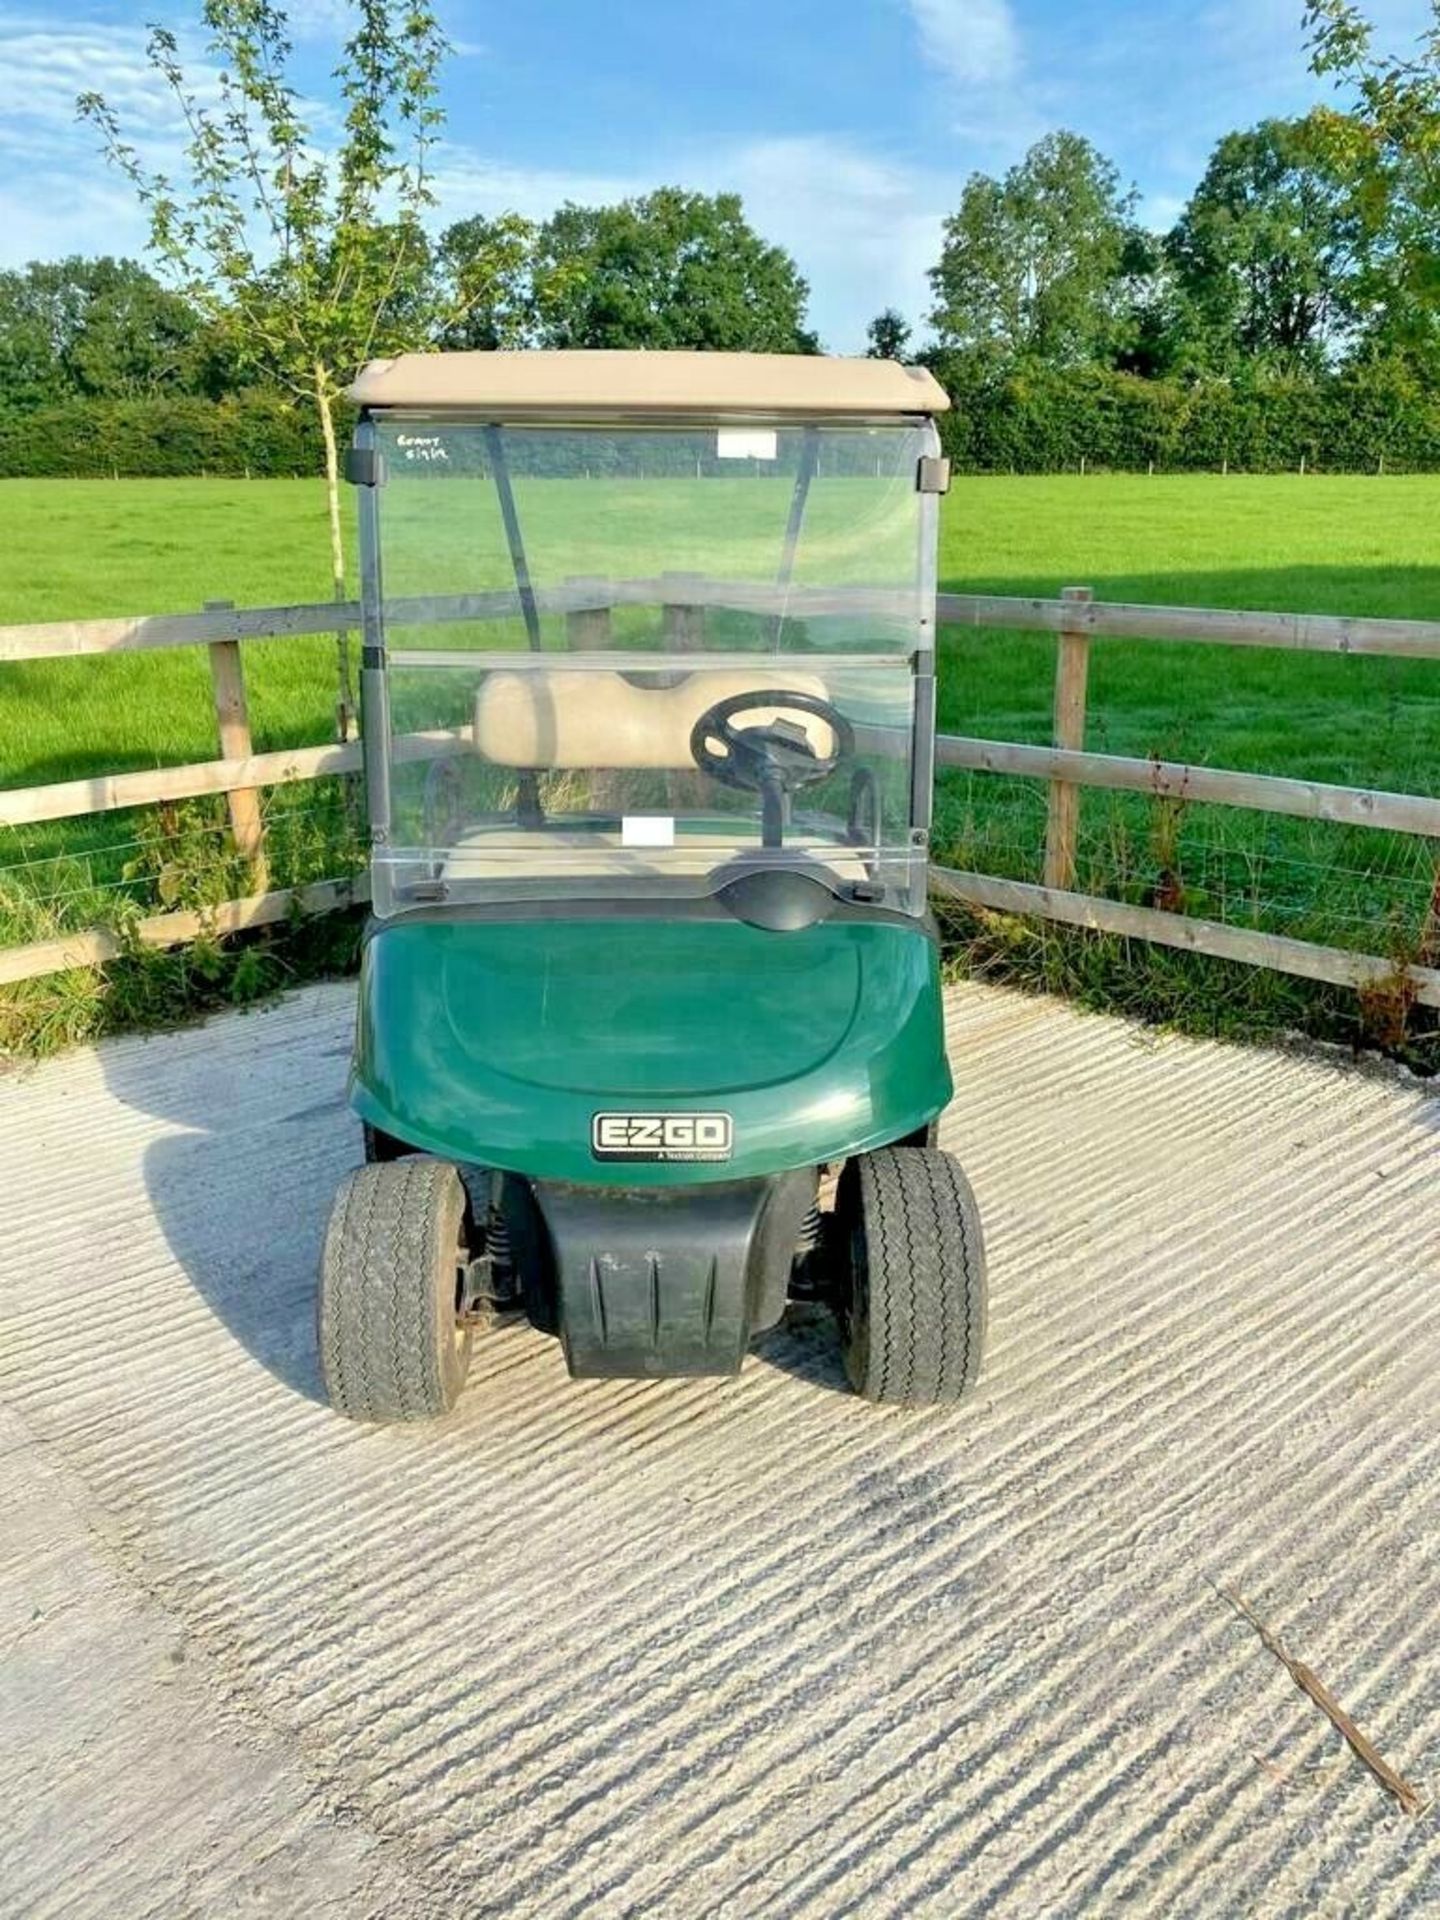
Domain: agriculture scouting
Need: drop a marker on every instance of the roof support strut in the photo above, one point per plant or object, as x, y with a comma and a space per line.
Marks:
500, 468
529, 811
804, 474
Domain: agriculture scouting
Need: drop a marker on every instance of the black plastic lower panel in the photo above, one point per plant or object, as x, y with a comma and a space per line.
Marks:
657, 1281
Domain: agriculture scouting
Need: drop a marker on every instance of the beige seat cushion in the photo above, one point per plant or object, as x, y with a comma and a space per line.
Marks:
560, 718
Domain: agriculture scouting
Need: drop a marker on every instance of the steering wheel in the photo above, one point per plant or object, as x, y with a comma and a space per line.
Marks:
774, 758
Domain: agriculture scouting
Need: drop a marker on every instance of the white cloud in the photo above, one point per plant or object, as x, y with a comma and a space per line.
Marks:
1159, 211
319, 19
43, 68
57, 196
465, 182
53, 216
971, 42
863, 230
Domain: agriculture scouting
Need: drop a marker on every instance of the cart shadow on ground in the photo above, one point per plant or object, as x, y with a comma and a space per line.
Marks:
242, 1197
806, 1345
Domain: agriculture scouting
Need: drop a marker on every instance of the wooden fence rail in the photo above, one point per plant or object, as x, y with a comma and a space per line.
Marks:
1076, 618
1337, 966
1118, 620
1175, 780
101, 944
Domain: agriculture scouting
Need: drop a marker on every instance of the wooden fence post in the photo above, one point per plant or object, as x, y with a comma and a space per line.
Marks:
232, 714
590, 630
1072, 665
682, 628
587, 628
683, 625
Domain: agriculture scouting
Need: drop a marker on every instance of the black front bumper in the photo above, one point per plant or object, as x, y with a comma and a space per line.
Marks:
671, 1280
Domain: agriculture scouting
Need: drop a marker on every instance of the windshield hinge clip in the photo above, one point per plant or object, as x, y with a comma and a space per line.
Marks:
932, 473
364, 467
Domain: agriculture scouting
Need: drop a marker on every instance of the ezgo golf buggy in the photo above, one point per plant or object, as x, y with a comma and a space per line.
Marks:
648, 686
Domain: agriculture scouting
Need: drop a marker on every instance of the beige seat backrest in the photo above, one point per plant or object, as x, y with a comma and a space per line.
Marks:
554, 718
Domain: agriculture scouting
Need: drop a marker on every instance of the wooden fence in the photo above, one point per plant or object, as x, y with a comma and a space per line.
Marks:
1076, 618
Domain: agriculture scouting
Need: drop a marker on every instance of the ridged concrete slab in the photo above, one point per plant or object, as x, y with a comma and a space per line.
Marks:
744, 1648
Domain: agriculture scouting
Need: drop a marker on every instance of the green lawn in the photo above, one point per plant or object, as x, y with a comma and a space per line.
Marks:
1317, 545
84, 549
80, 548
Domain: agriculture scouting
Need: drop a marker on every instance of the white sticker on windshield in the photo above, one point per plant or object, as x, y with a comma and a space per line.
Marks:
647, 830
746, 443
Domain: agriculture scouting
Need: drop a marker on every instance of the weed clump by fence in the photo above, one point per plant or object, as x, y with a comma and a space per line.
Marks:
1310, 881
121, 870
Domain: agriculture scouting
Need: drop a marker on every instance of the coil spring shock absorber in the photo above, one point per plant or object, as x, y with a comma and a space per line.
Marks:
491, 1280
812, 1229
497, 1245
810, 1276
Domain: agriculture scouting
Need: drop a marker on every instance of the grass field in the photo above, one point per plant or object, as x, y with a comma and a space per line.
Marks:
77, 549
1319, 544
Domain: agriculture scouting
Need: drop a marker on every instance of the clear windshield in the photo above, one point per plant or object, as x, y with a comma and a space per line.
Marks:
631, 659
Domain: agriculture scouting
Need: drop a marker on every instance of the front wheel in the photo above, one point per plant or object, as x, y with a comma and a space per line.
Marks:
913, 1303
393, 1345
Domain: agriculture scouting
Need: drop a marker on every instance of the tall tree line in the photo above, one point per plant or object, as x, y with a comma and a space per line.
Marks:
668, 269
1308, 251
1285, 259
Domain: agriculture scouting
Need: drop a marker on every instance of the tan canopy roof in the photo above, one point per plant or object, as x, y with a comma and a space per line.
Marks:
568, 385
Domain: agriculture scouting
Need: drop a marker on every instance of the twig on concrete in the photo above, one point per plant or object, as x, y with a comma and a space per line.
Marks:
1410, 1798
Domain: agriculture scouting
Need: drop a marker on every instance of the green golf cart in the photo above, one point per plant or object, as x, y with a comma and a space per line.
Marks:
650, 1031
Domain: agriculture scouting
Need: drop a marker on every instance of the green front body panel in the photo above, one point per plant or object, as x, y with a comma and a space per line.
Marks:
498, 1040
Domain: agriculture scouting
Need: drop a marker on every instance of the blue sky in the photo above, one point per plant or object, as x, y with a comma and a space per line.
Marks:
848, 125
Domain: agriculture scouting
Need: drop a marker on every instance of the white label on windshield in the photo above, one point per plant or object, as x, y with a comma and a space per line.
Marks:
647, 830
746, 443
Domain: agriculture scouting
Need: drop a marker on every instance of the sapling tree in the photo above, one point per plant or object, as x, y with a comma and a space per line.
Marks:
305, 244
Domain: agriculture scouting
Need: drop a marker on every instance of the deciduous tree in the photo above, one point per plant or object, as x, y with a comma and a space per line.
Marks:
1033, 264
485, 267
888, 336
1390, 139
104, 328
1269, 253
670, 269
311, 257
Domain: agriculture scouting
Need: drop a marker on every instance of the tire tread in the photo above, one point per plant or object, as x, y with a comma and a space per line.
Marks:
385, 1341
924, 1259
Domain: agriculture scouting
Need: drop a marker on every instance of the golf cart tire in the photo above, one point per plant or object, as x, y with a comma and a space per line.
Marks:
391, 1347
913, 1310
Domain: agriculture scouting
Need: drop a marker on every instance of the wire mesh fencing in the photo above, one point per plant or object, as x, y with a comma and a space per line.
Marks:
1337, 885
